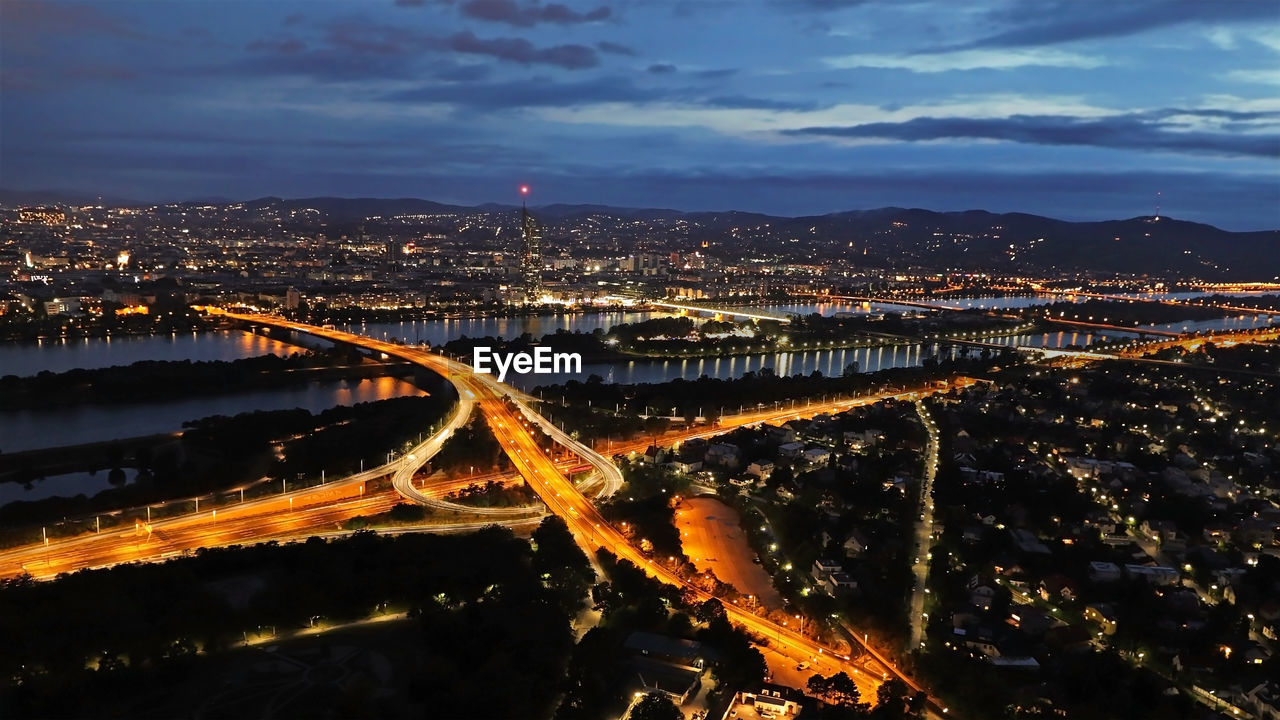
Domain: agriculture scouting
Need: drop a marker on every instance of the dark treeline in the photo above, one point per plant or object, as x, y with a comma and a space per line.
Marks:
1262, 302
598, 410
495, 494
220, 452
684, 336
471, 449
1125, 313
629, 601
156, 379
1261, 357
491, 615
648, 518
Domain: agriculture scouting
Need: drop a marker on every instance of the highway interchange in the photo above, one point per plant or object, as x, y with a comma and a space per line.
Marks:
321, 510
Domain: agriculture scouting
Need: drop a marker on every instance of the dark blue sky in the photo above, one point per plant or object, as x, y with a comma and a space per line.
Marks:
1079, 109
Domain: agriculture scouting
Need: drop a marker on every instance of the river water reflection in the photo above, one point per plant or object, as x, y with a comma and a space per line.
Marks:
56, 426
60, 355
64, 426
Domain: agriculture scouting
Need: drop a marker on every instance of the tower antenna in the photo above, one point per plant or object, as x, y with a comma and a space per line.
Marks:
1157, 217
531, 257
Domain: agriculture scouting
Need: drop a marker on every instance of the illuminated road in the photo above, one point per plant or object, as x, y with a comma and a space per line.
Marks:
276, 517
279, 518
283, 516
509, 419
1191, 343
320, 511
924, 531
297, 513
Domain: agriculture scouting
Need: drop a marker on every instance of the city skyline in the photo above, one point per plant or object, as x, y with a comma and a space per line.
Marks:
1082, 112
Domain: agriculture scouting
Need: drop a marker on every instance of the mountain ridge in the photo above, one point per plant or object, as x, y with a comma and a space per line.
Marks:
973, 239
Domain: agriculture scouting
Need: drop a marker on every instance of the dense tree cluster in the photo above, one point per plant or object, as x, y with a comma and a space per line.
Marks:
666, 337
471, 449
492, 614
1117, 312
169, 379
595, 409
630, 600
220, 452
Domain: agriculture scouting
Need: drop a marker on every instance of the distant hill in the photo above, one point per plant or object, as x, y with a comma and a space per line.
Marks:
355, 209
972, 239
978, 238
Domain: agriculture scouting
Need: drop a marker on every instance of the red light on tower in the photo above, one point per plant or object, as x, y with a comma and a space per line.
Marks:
524, 189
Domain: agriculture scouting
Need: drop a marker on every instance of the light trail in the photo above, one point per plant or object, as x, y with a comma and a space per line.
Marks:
566, 500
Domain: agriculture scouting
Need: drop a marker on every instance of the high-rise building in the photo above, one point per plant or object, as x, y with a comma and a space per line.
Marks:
531, 259
393, 248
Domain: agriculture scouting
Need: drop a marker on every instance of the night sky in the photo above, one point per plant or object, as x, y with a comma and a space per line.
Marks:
1080, 109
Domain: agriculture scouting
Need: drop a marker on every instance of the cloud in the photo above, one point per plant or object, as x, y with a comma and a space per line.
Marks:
345, 51
283, 46
36, 79
364, 38
744, 102
453, 72
994, 59
538, 92
1156, 131
543, 92
821, 5
1266, 76
1223, 38
42, 46
351, 50
607, 94
23, 17
716, 74
513, 13
325, 65
614, 48
662, 68
519, 50
762, 119
1048, 23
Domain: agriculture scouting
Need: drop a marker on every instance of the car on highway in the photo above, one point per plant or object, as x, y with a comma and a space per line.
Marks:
803, 666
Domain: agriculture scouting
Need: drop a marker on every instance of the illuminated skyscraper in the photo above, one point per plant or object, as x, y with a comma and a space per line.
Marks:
531, 259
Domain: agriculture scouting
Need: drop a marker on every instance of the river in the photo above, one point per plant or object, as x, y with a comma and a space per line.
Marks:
65, 485
60, 355
73, 425
64, 426
438, 332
